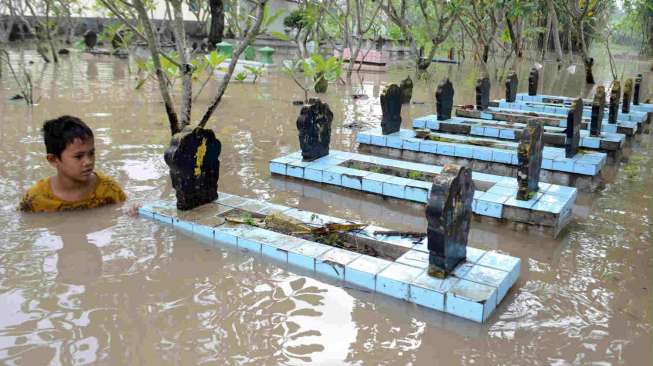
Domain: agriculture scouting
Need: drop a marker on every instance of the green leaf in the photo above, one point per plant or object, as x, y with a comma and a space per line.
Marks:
280, 36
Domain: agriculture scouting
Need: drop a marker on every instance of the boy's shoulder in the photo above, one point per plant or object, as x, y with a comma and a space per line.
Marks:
107, 187
37, 197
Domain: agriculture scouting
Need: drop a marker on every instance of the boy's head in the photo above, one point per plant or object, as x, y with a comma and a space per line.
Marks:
70, 147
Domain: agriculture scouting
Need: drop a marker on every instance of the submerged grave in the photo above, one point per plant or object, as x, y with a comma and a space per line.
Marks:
495, 198
390, 264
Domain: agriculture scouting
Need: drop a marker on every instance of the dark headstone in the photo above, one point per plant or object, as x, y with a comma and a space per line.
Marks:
628, 92
482, 93
444, 99
406, 87
193, 159
90, 38
530, 160
574, 120
118, 40
64, 51
314, 126
613, 107
598, 107
638, 86
511, 87
533, 81
391, 109
589, 76
448, 213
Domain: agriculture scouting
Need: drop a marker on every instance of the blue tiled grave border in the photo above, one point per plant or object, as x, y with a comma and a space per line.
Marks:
523, 97
505, 130
473, 292
554, 159
550, 207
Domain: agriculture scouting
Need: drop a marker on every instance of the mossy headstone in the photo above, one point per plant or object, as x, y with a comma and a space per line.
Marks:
406, 87
444, 99
314, 126
638, 86
628, 92
574, 119
613, 107
598, 107
511, 87
90, 39
529, 155
193, 159
448, 213
533, 81
391, 109
482, 93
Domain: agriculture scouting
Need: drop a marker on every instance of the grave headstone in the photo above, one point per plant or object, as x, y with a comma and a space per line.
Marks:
598, 107
628, 92
530, 160
574, 120
448, 213
406, 87
533, 81
511, 87
482, 93
391, 109
638, 85
314, 126
193, 159
444, 99
90, 39
613, 107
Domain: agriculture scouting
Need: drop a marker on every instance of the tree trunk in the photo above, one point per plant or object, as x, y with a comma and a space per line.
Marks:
217, 22
554, 29
547, 36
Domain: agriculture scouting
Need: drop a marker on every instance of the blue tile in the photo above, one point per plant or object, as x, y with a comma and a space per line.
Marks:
228, 234
474, 254
378, 140
585, 169
393, 188
362, 271
488, 208
500, 261
430, 291
304, 255
395, 280
332, 176
463, 151
506, 133
353, 181
313, 174
249, 244
491, 277
394, 142
182, 224
419, 123
500, 190
590, 142
295, 171
477, 130
373, 183
204, 231
417, 194
563, 165
278, 168
547, 164
429, 147
411, 144
491, 131
363, 138
333, 262
514, 202
433, 124
471, 300
481, 153
446, 149
562, 191
414, 258
503, 156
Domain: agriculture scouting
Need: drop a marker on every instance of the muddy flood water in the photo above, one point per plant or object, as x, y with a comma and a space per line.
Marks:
99, 287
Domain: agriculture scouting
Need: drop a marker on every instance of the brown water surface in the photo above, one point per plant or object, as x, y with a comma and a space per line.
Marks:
99, 287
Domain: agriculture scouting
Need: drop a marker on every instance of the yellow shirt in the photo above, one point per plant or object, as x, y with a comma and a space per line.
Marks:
40, 198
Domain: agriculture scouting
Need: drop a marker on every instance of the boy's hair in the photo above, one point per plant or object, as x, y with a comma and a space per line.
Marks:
59, 132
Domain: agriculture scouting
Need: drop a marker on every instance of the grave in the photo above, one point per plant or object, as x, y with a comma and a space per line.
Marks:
638, 85
530, 161
366, 59
482, 93
598, 107
484, 155
610, 143
533, 81
444, 99
314, 126
395, 266
495, 200
511, 86
391, 109
406, 87
628, 91
574, 117
613, 106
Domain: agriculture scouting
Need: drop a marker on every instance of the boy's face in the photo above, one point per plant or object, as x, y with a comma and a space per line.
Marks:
77, 160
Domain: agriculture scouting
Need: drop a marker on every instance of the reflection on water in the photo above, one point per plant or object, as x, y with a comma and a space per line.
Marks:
99, 287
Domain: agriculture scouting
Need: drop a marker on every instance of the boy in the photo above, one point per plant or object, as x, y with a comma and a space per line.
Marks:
70, 149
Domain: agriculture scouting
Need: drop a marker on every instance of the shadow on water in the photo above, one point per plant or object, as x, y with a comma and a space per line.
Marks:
99, 287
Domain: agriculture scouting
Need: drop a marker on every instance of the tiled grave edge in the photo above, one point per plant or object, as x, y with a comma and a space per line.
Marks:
473, 292
551, 207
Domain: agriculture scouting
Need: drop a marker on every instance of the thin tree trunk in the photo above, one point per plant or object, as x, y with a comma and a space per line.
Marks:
547, 36
186, 67
554, 29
